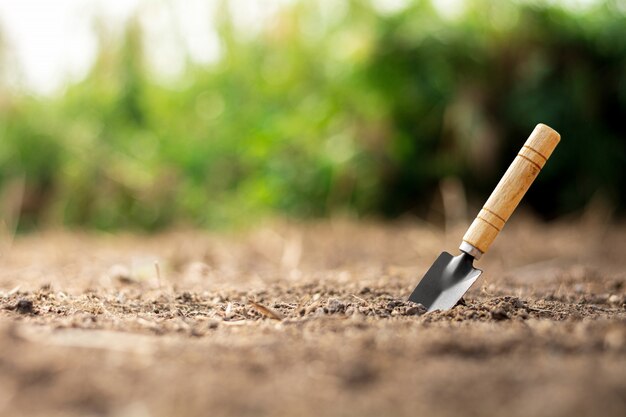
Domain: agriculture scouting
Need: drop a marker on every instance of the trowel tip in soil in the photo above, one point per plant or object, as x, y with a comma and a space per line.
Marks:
446, 282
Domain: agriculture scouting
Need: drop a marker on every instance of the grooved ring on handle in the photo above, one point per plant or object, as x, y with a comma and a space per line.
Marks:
532, 156
492, 218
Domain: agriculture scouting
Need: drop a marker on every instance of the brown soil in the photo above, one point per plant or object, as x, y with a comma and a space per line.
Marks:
312, 321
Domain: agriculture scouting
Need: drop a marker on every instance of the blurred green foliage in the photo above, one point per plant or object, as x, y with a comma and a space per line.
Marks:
355, 111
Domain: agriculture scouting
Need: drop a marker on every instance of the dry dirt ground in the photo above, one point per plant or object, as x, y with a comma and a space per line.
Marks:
311, 320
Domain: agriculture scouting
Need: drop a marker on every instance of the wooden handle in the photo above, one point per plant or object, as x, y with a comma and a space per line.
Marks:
510, 190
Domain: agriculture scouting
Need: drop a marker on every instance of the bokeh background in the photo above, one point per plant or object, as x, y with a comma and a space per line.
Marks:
155, 114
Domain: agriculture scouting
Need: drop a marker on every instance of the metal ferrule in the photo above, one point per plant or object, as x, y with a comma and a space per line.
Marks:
470, 250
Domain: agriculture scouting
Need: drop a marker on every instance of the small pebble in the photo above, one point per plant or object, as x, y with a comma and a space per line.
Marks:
614, 299
417, 310
334, 306
393, 304
470, 314
499, 314
517, 303
24, 307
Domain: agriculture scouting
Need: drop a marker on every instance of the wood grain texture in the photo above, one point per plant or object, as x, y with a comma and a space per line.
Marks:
512, 187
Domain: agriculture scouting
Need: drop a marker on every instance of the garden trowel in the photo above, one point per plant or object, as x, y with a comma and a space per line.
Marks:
451, 276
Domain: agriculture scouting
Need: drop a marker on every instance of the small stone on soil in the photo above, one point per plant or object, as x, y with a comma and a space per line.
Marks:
416, 310
24, 307
517, 303
185, 297
498, 313
334, 306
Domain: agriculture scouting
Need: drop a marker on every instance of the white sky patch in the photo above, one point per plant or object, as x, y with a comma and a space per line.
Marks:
54, 42
194, 18
252, 15
177, 31
162, 43
450, 9
390, 6
42, 38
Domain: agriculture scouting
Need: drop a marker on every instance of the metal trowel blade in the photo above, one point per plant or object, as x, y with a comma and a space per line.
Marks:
446, 282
